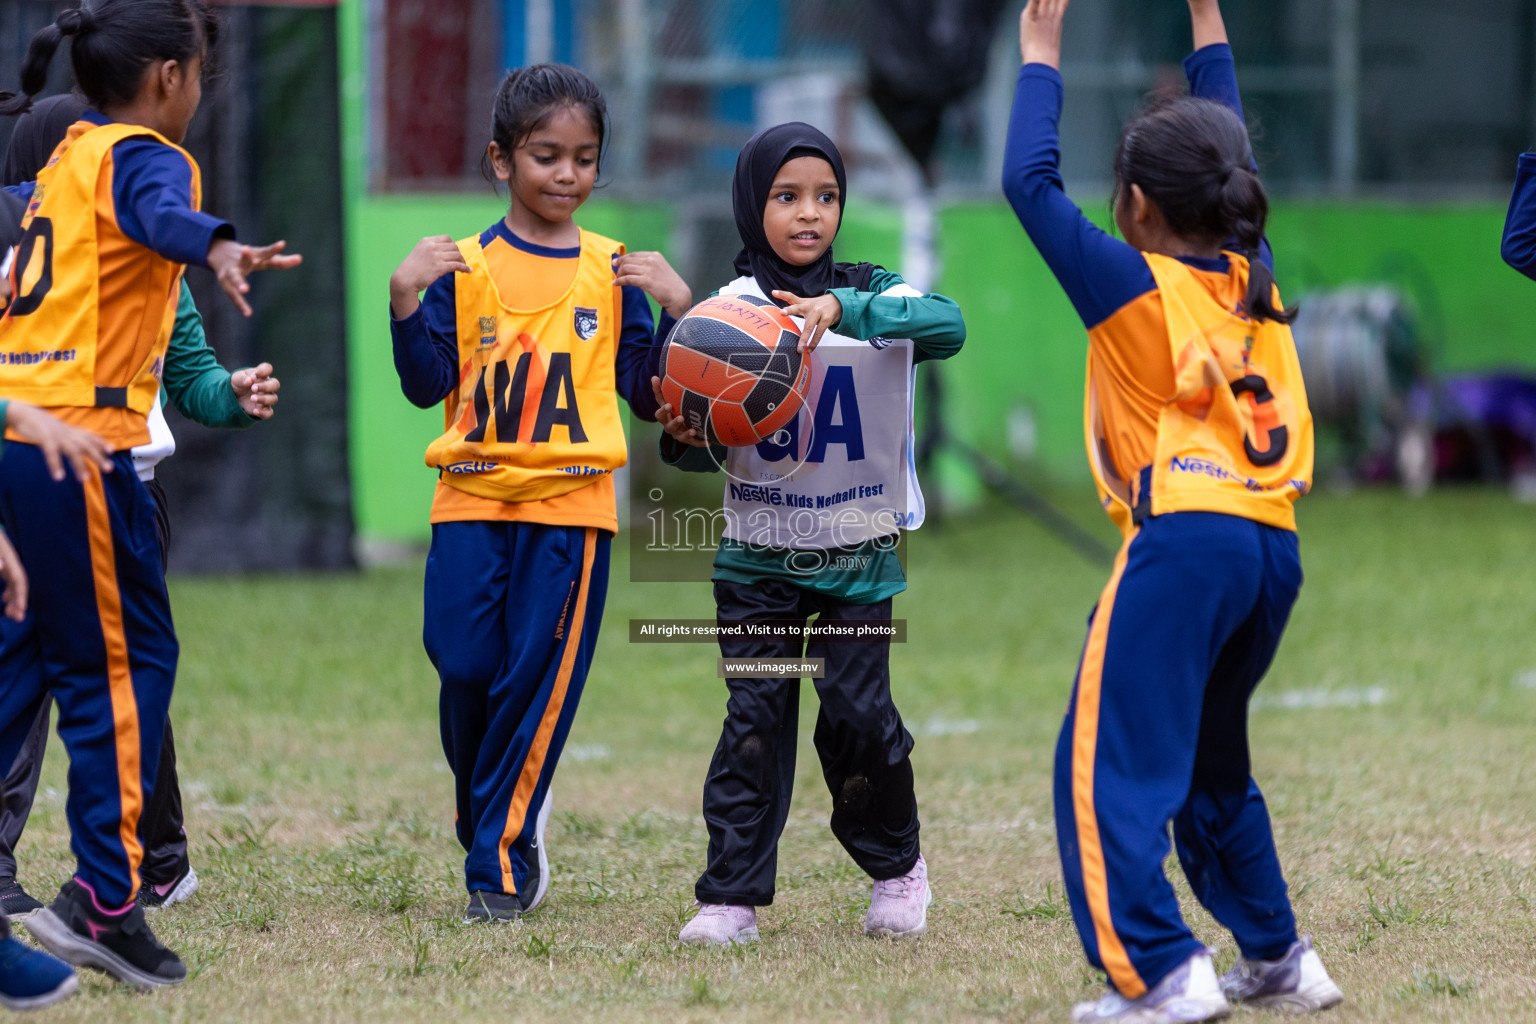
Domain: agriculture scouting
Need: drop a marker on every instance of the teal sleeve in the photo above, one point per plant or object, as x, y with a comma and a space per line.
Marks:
197, 385
690, 459
933, 322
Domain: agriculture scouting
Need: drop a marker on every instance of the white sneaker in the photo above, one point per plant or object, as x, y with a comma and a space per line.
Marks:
720, 924
1190, 992
898, 907
158, 897
1296, 983
541, 855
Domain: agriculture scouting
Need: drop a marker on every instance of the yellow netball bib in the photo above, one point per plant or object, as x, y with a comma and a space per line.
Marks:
535, 414
1236, 437
93, 309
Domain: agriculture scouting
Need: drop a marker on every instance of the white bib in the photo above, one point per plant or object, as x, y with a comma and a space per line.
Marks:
843, 471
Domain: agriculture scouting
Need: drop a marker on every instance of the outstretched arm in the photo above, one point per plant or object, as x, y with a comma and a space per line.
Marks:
891, 308
200, 388
1212, 75
1099, 273
1211, 71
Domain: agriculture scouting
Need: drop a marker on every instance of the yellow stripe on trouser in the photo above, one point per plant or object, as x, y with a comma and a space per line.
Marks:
125, 707
1085, 737
533, 765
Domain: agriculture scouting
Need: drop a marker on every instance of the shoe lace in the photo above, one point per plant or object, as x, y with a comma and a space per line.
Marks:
713, 910
900, 887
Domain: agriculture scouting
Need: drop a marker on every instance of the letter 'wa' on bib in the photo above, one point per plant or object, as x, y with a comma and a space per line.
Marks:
535, 414
1237, 436
843, 471
65, 341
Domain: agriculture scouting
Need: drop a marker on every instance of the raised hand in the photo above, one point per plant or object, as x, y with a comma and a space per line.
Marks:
432, 257
60, 442
232, 263
1205, 16
652, 272
1040, 32
821, 314
673, 423
256, 390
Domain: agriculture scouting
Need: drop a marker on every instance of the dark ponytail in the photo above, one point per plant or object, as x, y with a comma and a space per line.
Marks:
528, 96
114, 41
1193, 159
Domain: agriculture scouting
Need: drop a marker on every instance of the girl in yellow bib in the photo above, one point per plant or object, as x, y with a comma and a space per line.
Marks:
110, 223
1199, 437
524, 334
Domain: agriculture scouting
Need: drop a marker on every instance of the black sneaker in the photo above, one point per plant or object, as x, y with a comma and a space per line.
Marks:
15, 902
76, 929
496, 907
154, 897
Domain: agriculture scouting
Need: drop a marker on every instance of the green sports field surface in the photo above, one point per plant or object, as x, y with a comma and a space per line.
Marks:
1395, 739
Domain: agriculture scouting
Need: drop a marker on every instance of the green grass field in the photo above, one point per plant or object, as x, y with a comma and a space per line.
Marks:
1394, 739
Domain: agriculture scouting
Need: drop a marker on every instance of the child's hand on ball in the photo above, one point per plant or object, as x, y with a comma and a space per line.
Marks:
821, 314
672, 423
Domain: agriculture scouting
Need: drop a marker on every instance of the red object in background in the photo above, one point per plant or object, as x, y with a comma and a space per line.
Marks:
428, 53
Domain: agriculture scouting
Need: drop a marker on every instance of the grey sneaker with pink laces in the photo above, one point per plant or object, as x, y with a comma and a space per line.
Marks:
720, 924
898, 907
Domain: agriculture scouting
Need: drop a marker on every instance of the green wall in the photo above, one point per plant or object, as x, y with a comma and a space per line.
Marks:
1025, 345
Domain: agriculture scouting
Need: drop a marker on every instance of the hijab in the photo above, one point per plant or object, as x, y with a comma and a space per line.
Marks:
37, 134
756, 167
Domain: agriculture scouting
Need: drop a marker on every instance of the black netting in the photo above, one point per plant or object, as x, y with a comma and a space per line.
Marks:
276, 496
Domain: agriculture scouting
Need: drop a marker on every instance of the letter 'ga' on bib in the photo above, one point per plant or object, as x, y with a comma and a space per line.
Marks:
534, 415
64, 340
1236, 437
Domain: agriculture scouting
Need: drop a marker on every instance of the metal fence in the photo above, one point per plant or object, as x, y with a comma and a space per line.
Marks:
1350, 96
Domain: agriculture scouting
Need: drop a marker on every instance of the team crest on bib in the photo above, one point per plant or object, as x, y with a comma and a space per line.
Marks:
586, 322
487, 331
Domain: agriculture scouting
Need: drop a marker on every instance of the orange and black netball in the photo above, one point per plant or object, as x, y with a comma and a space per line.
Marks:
731, 368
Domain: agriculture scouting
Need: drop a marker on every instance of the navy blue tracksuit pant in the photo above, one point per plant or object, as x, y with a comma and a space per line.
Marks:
1157, 732
512, 617
161, 828
98, 637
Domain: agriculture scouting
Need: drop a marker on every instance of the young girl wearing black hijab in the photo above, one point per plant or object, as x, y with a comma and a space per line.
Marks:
813, 516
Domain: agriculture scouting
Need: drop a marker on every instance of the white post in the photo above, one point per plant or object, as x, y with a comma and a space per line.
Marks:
919, 248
